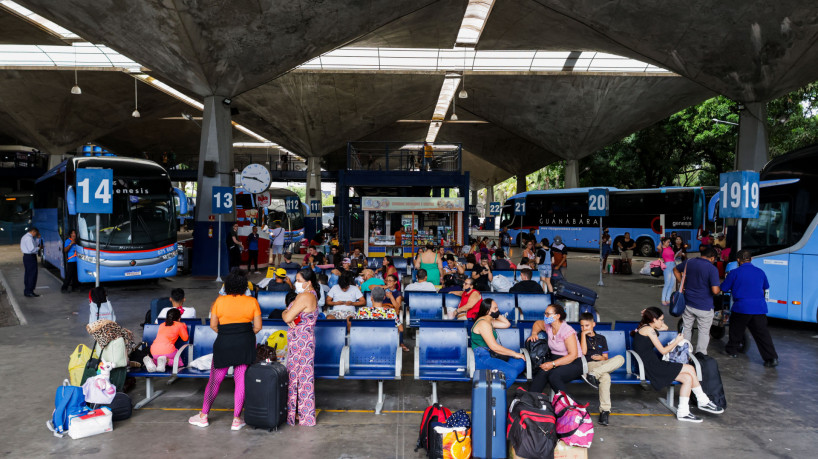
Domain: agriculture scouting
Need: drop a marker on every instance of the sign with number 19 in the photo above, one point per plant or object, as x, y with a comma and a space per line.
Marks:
739, 194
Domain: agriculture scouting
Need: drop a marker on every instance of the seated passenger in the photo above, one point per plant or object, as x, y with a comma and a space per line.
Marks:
469, 301
384, 306
346, 267
564, 346
451, 283
277, 314
489, 354
389, 267
660, 373
288, 262
501, 263
163, 348
282, 282
526, 285
177, 299
370, 280
343, 298
422, 285
482, 277
595, 350
323, 282
471, 262
242, 273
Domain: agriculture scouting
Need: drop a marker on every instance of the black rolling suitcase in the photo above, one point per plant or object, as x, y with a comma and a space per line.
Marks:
265, 400
575, 292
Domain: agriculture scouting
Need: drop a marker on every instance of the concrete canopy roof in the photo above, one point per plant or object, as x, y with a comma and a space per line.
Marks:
434, 26
747, 51
39, 109
573, 115
214, 47
15, 30
314, 113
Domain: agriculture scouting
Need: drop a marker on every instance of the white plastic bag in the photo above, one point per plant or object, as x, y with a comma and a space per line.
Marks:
501, 283
645, 271
104, 311
571, 311
202, 363
98, 389
90, 423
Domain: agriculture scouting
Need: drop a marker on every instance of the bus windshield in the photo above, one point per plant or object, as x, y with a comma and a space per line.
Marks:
771, 230
290, 222
144, 218
16, 209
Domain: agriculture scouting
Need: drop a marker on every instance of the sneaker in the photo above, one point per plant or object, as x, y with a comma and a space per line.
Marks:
591, 380
771, 363
603, 417
161, 362
237, 424
688, 417
149, 365
712, 408
198, 420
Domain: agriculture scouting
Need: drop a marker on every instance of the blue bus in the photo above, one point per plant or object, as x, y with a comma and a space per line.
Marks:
641, 212
137, 240
783, 239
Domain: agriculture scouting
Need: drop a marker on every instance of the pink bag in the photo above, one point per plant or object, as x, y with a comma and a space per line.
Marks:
574, 425
658, 264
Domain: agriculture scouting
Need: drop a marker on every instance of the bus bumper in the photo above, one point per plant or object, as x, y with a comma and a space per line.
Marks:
86, 272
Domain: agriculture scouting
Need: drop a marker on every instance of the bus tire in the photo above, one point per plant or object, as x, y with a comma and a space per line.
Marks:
645, 247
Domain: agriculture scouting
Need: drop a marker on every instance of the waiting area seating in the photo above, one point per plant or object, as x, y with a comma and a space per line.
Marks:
516, 306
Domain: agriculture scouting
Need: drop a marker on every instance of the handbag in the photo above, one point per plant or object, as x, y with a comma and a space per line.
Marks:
679, 354
455, 442
495, 355
265, 353
538, 351
677, 299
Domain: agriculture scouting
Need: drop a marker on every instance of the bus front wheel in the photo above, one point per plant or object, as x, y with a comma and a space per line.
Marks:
645, 247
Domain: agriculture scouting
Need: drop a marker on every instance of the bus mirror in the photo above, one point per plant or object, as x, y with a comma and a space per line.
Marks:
182, 201
71, 201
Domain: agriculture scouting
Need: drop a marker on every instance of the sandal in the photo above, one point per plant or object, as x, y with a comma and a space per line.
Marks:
405, 349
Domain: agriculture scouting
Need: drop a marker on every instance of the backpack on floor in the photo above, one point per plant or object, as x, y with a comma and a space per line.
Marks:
532, 426
68, 401
574, 425
436, 413
711, 380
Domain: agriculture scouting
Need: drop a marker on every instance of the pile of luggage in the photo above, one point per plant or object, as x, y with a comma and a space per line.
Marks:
531, 426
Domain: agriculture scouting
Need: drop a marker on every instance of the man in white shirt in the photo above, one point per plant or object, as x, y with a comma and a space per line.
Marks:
30, 245
177, 299
343, 298
422, 285
277, 242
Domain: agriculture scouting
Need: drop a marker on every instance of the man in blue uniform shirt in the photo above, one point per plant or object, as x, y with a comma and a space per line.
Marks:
747, 284
70, 250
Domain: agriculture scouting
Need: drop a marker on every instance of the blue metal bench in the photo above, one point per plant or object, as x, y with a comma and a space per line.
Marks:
148, 336
373, 354
291, 274
442, 353
192, 322
532, 305
425, 305
506, 303
450, 302
627, 327
401, 264
271, 301
203, 345
374, 262
330, 345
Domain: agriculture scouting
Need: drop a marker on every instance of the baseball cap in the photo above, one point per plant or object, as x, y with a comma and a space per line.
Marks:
346, 260
280, 272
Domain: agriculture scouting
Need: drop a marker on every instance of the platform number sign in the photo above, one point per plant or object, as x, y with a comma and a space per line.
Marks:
519, 206
223, 200
598, 203
739, 194
95, 190
315, 208
291, 204
494, 208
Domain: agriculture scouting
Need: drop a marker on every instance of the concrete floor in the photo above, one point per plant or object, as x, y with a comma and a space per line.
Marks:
771, 411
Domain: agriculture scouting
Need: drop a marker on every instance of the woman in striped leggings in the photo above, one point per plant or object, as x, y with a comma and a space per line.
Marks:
236, 318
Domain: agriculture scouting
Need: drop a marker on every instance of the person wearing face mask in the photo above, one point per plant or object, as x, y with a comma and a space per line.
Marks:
300, 317
489, 354
469, 301
564, 346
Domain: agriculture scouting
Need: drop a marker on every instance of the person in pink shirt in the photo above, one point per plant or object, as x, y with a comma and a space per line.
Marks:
163, 349
564, 346
669, 258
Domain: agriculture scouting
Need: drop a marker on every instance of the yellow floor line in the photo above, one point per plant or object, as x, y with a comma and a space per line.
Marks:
394, 411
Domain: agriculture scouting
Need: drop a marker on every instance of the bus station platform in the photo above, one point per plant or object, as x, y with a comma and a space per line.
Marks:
770, 412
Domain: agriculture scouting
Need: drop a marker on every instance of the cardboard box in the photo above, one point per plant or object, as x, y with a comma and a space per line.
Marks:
563, 451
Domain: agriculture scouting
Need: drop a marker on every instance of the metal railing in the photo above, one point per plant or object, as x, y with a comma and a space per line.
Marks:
404, 156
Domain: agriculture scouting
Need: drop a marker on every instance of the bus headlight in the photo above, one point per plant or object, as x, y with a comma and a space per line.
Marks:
87, 258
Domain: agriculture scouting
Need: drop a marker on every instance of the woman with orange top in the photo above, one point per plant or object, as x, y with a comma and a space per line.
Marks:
236, 318
163, 348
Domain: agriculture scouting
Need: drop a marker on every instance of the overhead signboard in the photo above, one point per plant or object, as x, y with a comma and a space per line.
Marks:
739, 194
223, 200
402, 204
95, 191
598, 203
494, 208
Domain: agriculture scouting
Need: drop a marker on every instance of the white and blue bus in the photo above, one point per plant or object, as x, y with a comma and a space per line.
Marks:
643, 213
137, 240
783, 239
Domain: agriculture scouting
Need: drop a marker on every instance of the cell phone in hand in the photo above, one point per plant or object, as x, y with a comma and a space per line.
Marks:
297, 320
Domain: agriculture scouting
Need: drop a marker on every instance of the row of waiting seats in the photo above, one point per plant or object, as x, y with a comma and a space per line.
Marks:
515, 306
443, 353
369, 352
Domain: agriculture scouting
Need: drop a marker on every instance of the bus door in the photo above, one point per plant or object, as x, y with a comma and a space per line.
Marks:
809, 297
777, 269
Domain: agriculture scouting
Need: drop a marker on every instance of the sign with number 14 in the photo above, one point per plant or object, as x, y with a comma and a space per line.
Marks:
95, 188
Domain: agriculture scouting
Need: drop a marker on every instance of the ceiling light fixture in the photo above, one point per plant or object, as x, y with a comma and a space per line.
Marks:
76, 88
454, 107
463, 94
135, 113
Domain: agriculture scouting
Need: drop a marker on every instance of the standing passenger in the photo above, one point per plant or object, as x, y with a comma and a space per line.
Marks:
747, 284
669, 258
30, 245
559, 253
70, 250
701, 285
252, 249
430, 261
301, 316
236, 318
234, 247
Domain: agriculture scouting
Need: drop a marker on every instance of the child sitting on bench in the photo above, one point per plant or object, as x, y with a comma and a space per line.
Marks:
595, 350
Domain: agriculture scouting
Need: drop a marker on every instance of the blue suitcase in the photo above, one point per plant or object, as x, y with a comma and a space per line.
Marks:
575, 292
488, 415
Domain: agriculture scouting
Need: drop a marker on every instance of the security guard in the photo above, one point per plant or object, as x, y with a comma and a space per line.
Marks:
747, 284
